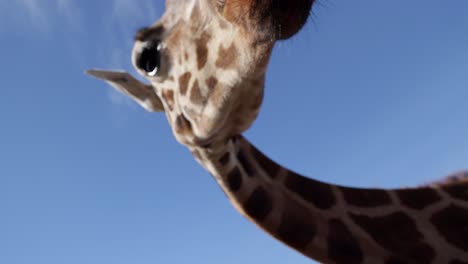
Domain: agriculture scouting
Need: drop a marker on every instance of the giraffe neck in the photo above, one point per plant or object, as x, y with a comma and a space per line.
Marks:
335, 224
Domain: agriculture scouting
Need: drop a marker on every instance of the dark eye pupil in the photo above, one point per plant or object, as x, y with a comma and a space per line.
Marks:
150, 59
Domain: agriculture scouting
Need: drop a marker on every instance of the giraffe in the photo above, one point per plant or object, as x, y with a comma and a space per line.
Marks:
206, 62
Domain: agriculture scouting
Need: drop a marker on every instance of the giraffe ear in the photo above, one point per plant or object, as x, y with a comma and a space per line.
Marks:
141, 93
280, 19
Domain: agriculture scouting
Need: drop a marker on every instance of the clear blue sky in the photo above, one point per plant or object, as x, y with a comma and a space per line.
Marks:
371, 93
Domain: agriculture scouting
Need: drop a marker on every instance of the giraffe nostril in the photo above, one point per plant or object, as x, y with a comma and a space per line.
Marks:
150, 59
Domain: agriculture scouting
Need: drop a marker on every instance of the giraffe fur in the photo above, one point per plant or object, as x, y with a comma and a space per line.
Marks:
206, 62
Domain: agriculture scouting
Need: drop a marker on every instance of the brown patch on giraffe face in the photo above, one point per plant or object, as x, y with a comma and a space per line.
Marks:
175, 38
245, 163
201, 50
317, 193
452, 224
196, 13
297, 228
184, 82
211, 83
234, 180
182, 125
270, 167
227, 58
343, 248
398, 233
458, 191
365, 198
195, 94
417, 198
168, 96
259, 204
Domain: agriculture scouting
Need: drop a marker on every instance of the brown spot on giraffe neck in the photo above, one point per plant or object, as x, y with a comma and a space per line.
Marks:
224, 160
343, 248
457, 261
395, 260
297, 227
201, 49
317, 193
417, 199
364, 197
458, 191
259, 204
452, 224
227, 58
270, 167
399, 234
234, 180
245, 163
184, 82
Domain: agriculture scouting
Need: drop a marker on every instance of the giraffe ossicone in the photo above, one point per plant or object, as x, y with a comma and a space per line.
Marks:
206, 62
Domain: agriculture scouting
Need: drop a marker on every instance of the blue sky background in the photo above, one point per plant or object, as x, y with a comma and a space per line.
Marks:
371, 93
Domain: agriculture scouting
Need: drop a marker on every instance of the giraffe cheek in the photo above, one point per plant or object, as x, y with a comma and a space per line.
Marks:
168, 96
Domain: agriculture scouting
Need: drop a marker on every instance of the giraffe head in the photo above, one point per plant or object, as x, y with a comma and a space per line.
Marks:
206, 62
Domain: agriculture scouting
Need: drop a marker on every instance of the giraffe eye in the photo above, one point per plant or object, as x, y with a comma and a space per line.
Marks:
150, 59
